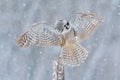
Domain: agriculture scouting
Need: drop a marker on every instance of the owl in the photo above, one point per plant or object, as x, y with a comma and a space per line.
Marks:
65, 34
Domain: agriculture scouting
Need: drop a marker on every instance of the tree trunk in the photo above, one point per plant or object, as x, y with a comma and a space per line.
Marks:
58, 69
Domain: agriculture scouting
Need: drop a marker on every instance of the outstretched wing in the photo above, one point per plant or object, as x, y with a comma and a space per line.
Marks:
40, 34
84, 24
73, 54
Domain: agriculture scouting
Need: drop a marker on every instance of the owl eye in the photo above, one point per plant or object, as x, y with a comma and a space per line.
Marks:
67, 24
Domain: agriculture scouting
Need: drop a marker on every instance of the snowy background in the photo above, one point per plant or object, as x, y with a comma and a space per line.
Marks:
34, 63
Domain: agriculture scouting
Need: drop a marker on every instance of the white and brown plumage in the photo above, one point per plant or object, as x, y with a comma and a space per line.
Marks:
63, 35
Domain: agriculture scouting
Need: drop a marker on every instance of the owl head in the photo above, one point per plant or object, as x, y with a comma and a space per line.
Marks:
62, 25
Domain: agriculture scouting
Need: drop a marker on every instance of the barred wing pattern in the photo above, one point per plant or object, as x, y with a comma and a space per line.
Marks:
84, 24
73, 54
40, 34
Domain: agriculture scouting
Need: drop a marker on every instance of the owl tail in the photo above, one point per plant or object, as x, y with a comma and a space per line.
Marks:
73, 54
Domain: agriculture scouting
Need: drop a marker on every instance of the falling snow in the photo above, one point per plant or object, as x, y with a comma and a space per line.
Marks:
103, 45
24, 4
118, 13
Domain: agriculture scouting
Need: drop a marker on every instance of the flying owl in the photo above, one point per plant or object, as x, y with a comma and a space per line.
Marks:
65, 34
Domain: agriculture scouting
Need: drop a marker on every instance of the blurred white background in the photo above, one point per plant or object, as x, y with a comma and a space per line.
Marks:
35, 63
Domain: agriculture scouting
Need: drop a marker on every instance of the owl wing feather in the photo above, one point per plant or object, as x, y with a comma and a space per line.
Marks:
40, 34
73, 54
85, 24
